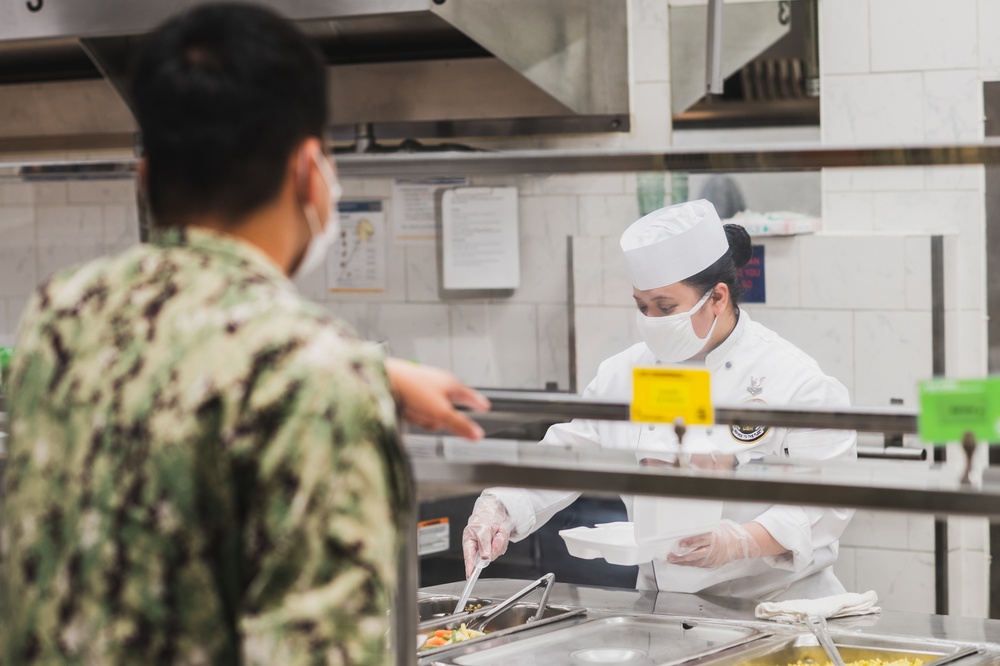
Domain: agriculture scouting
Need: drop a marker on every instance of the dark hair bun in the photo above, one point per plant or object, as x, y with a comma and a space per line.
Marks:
739, 244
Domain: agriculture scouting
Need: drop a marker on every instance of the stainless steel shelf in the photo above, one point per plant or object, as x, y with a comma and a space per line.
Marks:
753, 159
941, 492
550, 161
448, 466
563, 407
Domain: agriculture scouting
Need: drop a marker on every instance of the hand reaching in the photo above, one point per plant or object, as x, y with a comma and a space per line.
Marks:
428, 397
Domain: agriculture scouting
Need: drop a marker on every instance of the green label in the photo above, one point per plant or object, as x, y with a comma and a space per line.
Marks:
6, 354
949, 408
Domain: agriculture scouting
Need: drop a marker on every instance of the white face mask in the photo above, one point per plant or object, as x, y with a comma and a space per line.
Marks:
672, 339
321, 239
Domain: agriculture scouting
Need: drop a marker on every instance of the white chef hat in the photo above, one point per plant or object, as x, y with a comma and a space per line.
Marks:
673, 243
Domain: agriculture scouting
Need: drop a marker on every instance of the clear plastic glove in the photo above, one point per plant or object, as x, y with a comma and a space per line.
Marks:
728, 542
488, 532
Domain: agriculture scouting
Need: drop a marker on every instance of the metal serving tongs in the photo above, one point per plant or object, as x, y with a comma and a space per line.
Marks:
467, 592
545, 582
817, 624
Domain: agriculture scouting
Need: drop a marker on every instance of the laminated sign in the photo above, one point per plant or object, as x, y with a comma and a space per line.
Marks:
661, 395
949, 408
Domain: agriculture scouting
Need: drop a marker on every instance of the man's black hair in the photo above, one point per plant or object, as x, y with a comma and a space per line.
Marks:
223, 94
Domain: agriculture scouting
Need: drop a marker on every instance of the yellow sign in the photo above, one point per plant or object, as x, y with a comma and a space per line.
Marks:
661, 395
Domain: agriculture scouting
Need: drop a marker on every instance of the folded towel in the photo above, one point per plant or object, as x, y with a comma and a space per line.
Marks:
837, 605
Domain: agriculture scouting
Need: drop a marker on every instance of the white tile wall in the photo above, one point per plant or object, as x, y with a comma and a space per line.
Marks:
966, 533
354, 315
852, 272
70, 222
650, 46
55, 256
903, 579
420, 332
100, 192
648, 120
970, 597
924, 35
422, 273
918, 275
606, 214
873, 108
17, 226
13, 194
874, 179
848, 212
953, 106
616, 281
965, 343
601, 332
553, 349
955, 178
989, 46
844, 40
892, 352
495, 345
546, 222
588, 270
845, 569
895, 531
18, 269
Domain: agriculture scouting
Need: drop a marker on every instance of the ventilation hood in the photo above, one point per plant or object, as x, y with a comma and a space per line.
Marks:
407, 68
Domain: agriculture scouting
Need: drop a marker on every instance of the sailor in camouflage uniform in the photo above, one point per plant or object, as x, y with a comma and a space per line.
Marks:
203, 466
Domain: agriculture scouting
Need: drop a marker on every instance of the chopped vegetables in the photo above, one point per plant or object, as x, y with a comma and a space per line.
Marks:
443, 637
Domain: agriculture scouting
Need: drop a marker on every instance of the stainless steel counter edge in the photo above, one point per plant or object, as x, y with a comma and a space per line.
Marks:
436, 478
984, 633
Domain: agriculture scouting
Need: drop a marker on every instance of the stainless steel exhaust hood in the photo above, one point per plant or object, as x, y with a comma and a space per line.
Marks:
413, 68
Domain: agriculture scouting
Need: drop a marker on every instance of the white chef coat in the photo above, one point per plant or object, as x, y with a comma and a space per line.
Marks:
752, 364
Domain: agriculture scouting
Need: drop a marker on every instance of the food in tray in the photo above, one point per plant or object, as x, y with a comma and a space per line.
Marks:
443, 637
864, 662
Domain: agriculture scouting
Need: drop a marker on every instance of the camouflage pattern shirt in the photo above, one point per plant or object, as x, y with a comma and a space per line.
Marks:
203, 469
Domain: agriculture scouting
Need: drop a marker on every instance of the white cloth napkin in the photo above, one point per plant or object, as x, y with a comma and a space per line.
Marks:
837, 605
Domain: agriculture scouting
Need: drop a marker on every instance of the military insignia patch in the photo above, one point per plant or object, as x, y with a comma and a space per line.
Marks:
748, 434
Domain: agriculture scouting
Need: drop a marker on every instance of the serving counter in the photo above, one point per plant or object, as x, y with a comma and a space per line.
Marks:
444, 467
616, 612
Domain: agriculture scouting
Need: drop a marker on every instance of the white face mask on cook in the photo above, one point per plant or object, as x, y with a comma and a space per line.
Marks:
672, 339
321, 239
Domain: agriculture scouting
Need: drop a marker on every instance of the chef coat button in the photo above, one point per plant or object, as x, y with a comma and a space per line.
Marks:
708, 432
729, 364
652, 427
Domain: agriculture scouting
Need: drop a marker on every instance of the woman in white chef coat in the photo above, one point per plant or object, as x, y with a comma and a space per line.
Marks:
683, 266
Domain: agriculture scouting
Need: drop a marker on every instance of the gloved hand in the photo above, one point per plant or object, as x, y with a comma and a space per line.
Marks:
728, 542
488, 532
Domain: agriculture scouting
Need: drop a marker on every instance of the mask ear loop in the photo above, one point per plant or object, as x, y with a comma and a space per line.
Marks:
308, 208
302, 178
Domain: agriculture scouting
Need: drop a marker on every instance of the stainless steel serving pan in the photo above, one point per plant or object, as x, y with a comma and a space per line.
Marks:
442, 606
634, 640
853, 647
516, 618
